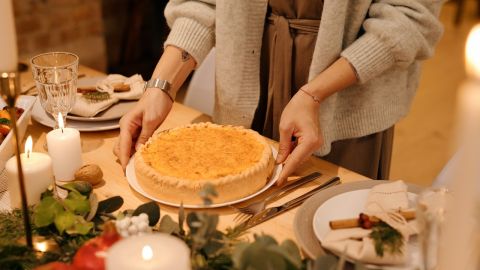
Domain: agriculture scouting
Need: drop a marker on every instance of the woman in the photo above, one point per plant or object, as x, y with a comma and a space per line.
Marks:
334, 74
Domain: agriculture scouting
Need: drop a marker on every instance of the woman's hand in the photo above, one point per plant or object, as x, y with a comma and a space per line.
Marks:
299, 119
139, 124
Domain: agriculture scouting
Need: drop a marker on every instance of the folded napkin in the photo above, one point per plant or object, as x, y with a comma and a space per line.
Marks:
87, 107
382, 202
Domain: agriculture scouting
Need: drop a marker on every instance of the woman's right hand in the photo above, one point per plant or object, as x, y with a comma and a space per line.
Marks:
139, 124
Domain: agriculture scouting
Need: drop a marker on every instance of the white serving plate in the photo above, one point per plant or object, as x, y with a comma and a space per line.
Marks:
132, 180
6, 148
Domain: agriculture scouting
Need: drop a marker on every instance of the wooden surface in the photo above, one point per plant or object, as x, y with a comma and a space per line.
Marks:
97, 149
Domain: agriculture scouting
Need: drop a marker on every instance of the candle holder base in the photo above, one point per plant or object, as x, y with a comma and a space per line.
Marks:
41, 245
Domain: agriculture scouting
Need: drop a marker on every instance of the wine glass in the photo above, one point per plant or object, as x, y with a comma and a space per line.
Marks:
431, 209
55, 75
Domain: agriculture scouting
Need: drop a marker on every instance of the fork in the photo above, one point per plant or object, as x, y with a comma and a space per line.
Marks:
255, 207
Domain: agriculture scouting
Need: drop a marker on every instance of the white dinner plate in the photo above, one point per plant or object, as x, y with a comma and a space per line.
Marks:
349, 205
39, 115
116, 111
132, 180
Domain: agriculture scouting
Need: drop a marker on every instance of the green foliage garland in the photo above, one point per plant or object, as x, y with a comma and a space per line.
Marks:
70, 224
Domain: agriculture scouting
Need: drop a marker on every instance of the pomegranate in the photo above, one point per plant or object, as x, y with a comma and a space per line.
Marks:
91, 256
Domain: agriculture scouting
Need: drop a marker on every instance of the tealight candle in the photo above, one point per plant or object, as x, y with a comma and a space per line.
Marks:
8, 53
149, 252
65, 149
37, 172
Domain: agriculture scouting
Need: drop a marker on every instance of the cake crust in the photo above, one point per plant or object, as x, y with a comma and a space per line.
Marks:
174, 165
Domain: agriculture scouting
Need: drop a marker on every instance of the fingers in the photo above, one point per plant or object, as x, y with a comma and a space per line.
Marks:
124, 146
148, 127
305, 148
285, 144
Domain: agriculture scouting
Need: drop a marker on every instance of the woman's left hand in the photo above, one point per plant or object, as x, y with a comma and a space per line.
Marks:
300, 120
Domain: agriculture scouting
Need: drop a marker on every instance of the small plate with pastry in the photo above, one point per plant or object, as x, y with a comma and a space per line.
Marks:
105, 98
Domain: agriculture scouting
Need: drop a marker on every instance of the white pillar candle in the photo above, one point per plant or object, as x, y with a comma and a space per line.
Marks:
8, 39
64, 147
37, 173
156, 251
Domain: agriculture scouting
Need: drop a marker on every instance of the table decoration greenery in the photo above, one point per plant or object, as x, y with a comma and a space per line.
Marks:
79, 224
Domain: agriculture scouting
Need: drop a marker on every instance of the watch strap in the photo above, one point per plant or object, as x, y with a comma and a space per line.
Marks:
163, 85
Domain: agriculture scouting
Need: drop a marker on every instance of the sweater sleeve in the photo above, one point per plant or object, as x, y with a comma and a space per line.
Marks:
397, 33
192, 26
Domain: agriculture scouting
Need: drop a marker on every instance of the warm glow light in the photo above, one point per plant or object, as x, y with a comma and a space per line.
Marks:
472, 52
28, 146
61, 125
147, 253
41, 246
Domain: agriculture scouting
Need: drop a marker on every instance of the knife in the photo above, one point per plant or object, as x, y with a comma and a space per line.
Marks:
274, 211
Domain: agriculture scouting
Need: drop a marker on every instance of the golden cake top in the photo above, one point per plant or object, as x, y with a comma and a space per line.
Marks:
204, 151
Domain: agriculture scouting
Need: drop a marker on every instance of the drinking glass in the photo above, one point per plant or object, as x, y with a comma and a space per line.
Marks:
431, 208
55, 75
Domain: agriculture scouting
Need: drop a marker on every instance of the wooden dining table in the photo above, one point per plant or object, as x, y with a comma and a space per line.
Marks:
97, 149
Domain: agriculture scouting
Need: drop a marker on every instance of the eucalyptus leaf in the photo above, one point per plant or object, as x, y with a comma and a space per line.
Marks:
291, 252
45, 211
193, 222
110, 205
265, 253
257, 256
214, 245
208, 191
181, 219
64, 221
80, 226
77, 203
151, 209
93, 200
167, 225
84, 187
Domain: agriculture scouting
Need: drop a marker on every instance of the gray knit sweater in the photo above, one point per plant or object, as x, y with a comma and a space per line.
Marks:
384, 40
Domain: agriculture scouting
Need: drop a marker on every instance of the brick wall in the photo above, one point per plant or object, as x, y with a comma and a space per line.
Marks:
61, 25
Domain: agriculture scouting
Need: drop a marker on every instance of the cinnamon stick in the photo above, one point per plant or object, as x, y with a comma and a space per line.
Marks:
364, 221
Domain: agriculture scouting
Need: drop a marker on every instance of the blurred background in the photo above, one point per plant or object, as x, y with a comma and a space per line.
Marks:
126, 37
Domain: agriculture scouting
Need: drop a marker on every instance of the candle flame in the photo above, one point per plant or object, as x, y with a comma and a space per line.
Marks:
472, 52
147, 253
28, 146
41, 246
61, 125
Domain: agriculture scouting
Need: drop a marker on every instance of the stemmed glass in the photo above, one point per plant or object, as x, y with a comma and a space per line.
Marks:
431, 209
55, 75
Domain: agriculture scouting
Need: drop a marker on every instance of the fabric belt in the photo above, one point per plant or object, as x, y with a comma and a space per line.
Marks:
280, 67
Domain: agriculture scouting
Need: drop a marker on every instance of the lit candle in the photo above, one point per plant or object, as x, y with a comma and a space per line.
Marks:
8, 40
37, 172
65, 149
149, 252
458, 249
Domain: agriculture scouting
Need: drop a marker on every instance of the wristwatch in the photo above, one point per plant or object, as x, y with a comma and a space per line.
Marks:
163, 85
